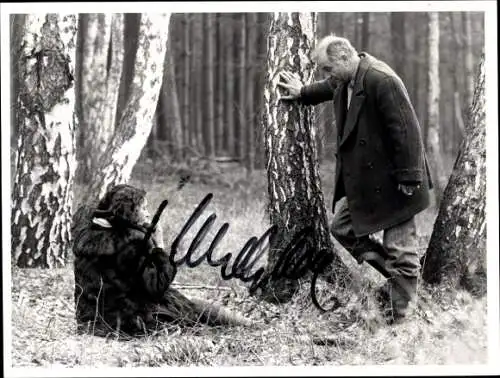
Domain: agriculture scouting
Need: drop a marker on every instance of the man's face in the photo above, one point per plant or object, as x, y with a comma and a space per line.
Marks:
339, 69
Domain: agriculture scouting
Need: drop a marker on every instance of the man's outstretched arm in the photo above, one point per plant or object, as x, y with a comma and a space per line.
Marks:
311, 94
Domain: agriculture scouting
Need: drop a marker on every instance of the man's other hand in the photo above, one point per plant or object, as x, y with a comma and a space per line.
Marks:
408, 190
291, 83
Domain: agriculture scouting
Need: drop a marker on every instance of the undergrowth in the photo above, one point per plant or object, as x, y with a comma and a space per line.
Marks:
446, 328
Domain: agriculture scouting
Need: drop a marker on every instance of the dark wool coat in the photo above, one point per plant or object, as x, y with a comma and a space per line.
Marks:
379, 145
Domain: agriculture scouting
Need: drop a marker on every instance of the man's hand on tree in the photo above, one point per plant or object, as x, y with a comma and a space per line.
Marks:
292, 84
407, 189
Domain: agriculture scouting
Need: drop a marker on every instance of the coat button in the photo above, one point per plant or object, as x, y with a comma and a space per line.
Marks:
378, 189
362, 142
370, 165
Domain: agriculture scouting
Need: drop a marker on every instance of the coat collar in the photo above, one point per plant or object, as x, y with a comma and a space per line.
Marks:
364, 64
357, 98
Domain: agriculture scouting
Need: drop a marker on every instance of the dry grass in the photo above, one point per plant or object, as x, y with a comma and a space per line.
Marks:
443, 330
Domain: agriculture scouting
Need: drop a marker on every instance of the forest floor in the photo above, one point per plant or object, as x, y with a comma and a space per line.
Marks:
444, 329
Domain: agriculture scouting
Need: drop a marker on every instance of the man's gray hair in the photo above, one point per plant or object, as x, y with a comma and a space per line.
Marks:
331, 48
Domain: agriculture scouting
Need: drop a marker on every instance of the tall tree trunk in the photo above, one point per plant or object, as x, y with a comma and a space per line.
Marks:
365, 33
131, 26
433, 94
294, 184
219, 86
45, 163
95, 134
210, 91
357, 34
417, 67
114, 73
251, 80
193, 84
458, 80
199, 86
469, 74
456, 256
137, 119
242, 87
229, 80
168, 109
186, 83
398, 43
338, 23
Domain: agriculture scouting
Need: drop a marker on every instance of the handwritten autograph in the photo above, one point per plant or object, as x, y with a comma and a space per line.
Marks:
294, 262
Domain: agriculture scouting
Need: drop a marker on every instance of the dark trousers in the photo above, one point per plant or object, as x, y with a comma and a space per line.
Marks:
399, 247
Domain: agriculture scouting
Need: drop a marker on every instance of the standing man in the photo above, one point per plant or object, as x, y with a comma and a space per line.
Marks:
382, 180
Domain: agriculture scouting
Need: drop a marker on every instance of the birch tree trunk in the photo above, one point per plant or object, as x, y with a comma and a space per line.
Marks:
136, 121
45, 162
99, 88
456, 256
294, 185
433, 94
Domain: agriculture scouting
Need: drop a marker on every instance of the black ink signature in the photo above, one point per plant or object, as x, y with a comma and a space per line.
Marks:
295, 261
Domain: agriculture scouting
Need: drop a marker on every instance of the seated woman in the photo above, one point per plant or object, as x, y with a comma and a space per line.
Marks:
122, 279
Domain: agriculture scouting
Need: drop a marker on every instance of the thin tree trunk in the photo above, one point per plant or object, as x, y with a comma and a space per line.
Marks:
242, 88
45, 163
229, 59
296, 199
398, 43
433, 94
199, 74
456, 256
187, 49
193, 85
137, 119
469, 74
417, 66
357, 33
338, 23
210, 91
219, 86
264, 26
171, 122
365, 34
115, 69
251, 86
131, 26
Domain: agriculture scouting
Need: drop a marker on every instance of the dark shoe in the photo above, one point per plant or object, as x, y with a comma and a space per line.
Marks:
397, 297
